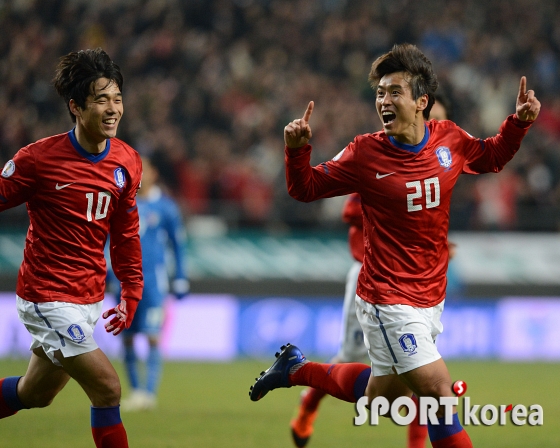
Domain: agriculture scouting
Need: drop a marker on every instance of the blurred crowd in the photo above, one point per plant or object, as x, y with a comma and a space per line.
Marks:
210, 85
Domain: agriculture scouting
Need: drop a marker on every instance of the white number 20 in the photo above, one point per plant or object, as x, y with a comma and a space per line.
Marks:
103, 199
431, 187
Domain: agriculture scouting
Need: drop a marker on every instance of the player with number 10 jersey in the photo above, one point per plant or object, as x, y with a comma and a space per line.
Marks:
74, 199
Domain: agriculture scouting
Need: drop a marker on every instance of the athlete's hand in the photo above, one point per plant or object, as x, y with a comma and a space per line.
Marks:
298, 132
124, 313
180, 288
528, 106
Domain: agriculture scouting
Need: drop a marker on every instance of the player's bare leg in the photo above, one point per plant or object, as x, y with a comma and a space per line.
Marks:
430, 380
96, 375
36, 389
42, 382
389, 386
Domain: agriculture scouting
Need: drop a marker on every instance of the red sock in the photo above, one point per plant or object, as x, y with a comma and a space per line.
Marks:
343, 381
416, 433
107, 428
312, 398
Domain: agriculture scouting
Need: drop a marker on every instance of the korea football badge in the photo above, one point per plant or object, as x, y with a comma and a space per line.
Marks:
76, 333
408, 343
9, 168
120, 178
444, 156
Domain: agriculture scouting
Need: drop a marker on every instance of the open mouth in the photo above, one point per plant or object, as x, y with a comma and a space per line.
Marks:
388, 117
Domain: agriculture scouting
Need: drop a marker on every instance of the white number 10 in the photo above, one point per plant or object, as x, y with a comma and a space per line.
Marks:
431, 187
103, 200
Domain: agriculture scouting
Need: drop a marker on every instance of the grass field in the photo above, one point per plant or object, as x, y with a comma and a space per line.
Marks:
206, 405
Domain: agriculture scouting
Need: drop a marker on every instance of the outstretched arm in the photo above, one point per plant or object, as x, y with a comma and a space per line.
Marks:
298, 132
528, 106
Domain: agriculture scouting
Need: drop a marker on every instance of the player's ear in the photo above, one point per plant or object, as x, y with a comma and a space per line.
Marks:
74, 108
422, 102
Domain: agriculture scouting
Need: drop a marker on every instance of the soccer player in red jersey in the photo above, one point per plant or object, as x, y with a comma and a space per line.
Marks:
352, 347
405, 175
79, 187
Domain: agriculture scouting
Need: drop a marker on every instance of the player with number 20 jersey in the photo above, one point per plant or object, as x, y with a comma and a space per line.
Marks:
406, 193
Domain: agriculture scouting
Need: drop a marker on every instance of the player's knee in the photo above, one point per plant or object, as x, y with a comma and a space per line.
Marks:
438, 389
113, 391
106, 393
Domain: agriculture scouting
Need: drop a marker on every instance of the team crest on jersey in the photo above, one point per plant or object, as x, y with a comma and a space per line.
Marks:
120, 177
9, 168
408, 343
444, 156
76, 333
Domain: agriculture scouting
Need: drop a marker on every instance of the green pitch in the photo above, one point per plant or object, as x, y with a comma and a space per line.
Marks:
207, 405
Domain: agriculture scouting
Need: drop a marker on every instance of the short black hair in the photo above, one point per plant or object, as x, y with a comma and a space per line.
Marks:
77, 71
409, 59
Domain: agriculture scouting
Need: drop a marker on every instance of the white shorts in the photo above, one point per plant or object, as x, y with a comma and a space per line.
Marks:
63, 326
399, 336
352, 346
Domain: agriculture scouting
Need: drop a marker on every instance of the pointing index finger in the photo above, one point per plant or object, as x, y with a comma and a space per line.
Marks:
308, 112
523, 86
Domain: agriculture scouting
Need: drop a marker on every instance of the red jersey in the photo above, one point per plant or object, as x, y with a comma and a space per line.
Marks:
406, 193
352, 214
74, 199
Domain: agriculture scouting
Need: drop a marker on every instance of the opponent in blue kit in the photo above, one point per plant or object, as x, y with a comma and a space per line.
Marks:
162, 237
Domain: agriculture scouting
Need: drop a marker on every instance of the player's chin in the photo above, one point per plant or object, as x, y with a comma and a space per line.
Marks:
109, 130
109, 133
389, 130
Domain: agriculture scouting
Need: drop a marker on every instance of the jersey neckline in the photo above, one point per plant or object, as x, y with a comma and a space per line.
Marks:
412, 148
88, 155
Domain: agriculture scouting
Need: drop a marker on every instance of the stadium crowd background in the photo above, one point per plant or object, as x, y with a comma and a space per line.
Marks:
210, 84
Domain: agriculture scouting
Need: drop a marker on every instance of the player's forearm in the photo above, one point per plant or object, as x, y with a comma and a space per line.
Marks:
132, 290
306, 183
126, 260
501, 148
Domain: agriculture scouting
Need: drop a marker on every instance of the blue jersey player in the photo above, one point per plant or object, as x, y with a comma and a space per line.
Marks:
161, 234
